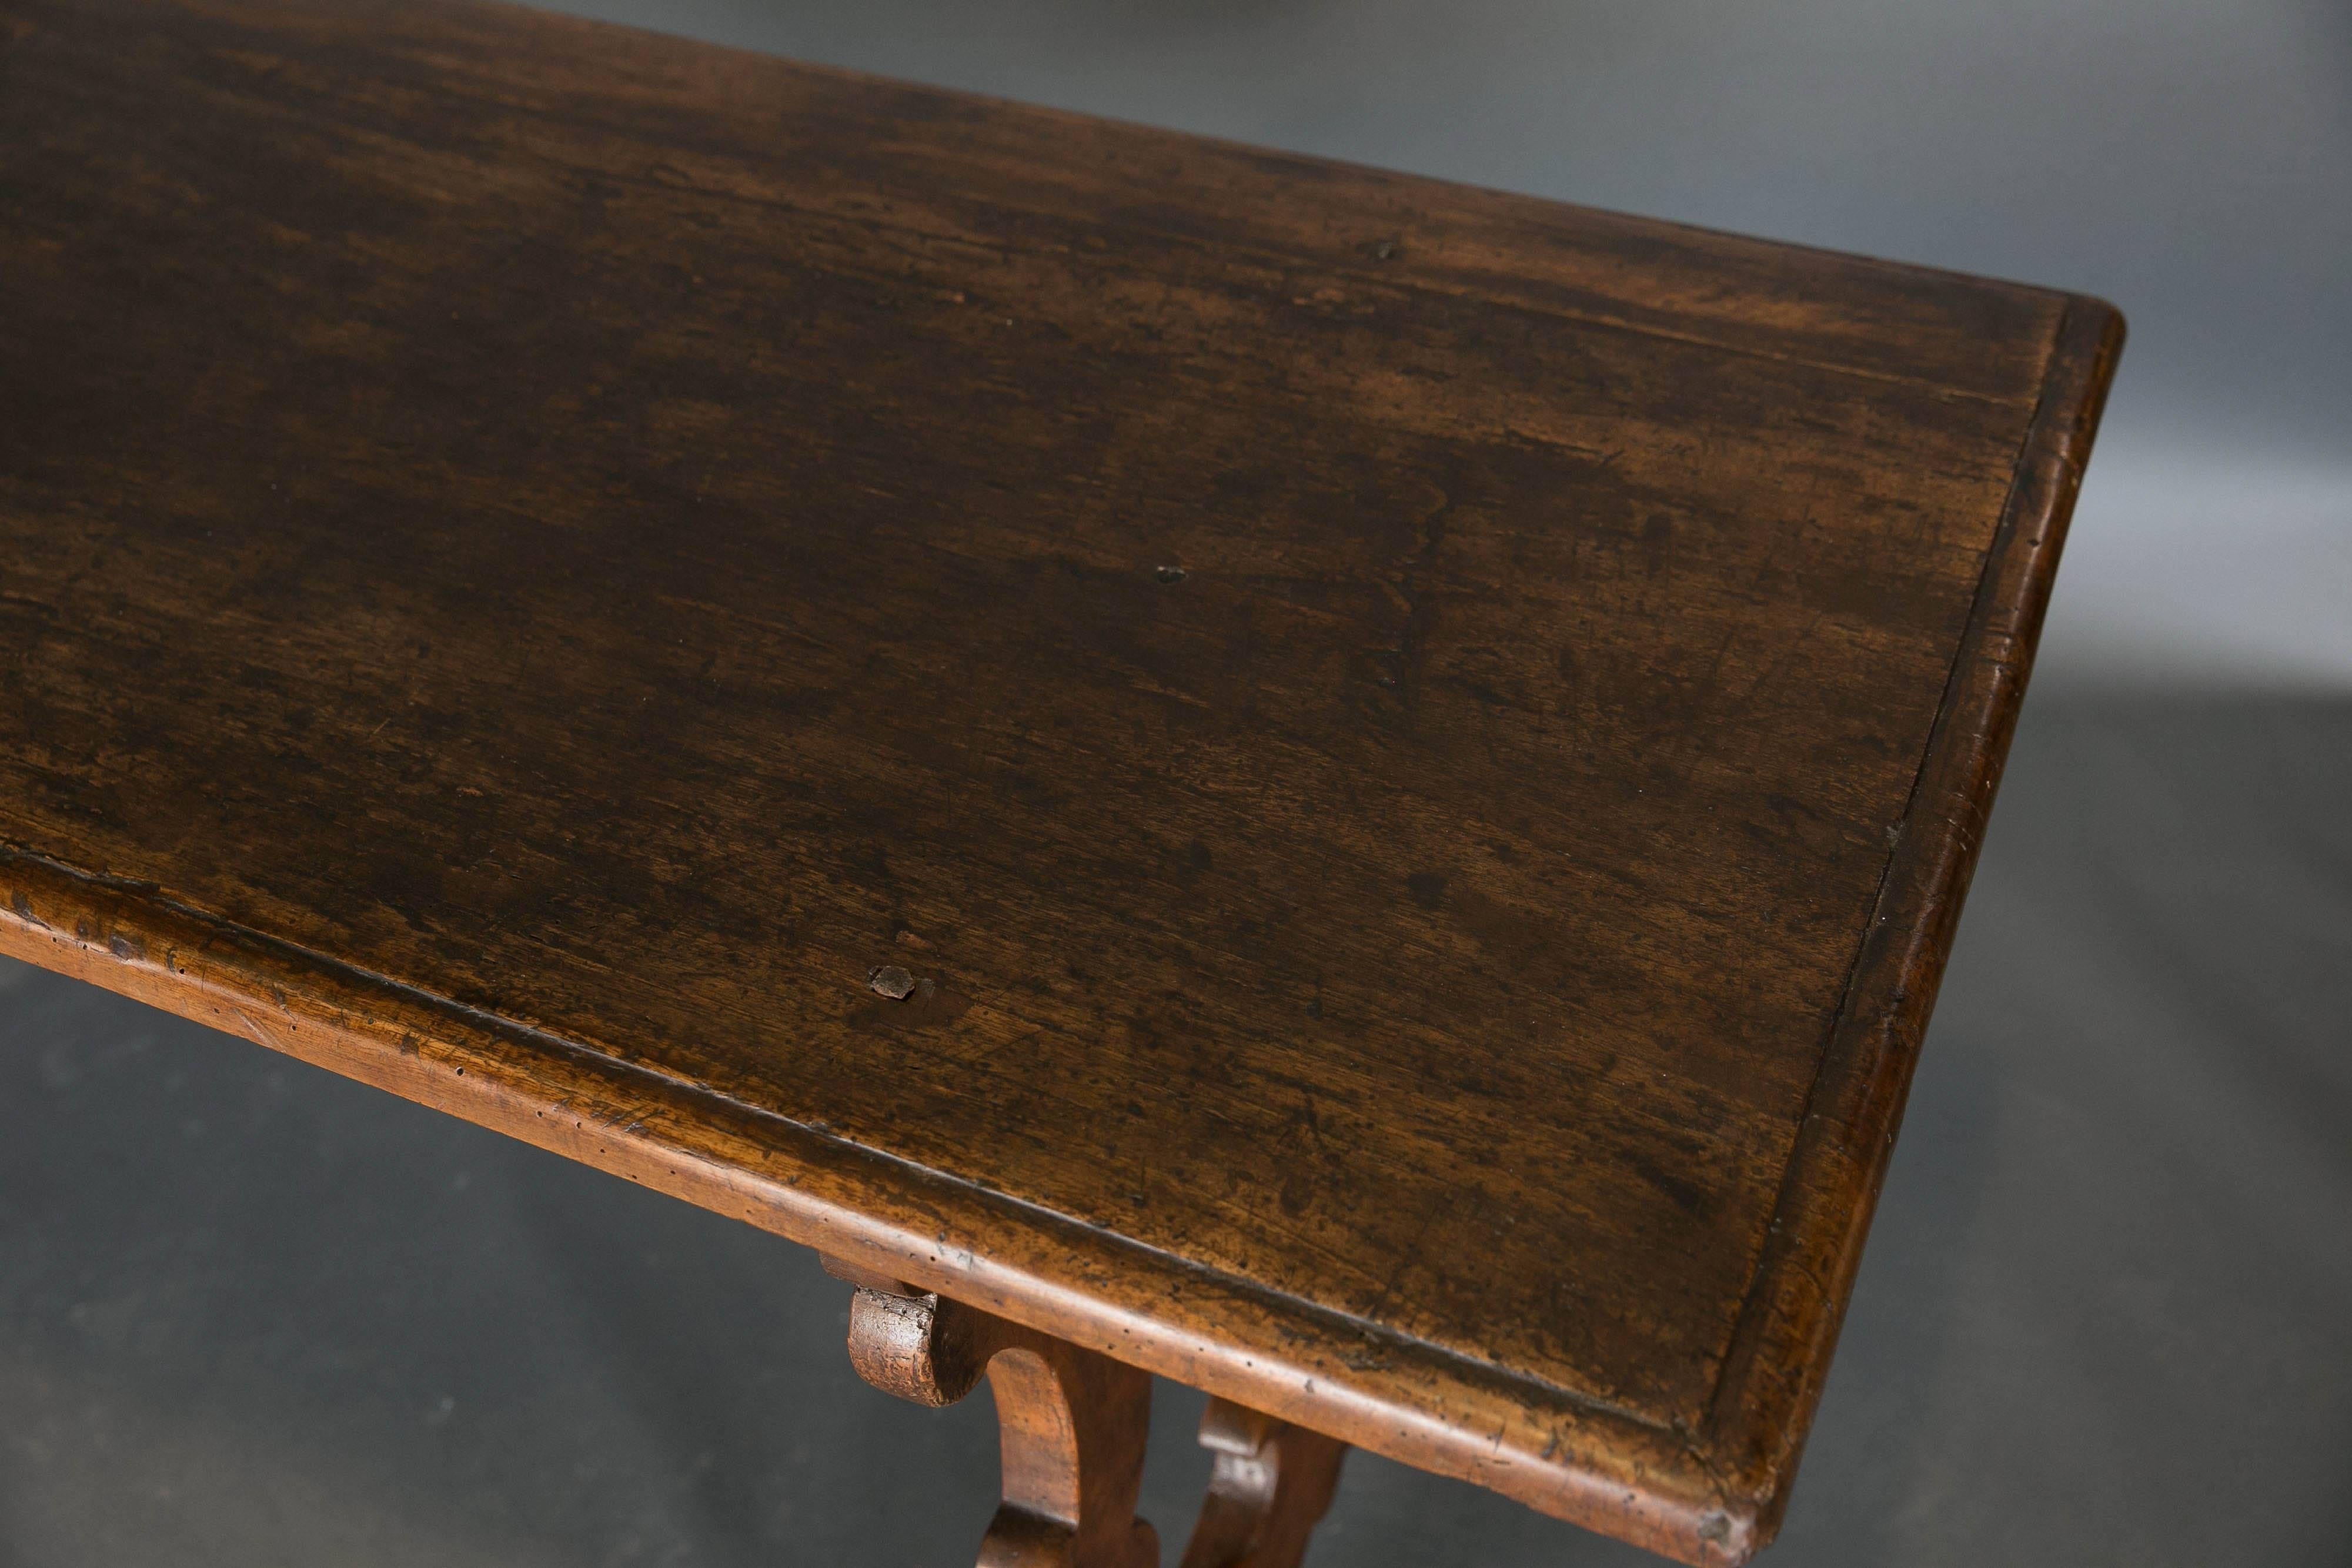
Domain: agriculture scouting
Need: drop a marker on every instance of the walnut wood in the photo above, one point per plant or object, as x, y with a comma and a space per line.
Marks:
1072, 1425
1269, 1486
1347, 790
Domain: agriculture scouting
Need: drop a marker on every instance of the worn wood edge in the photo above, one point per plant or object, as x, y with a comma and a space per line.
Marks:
1780, 1352
1421, 1404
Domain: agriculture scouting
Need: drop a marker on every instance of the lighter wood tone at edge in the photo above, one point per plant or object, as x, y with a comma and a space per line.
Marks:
1584, 1465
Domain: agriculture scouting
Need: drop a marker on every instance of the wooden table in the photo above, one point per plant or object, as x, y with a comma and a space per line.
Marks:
1345, 790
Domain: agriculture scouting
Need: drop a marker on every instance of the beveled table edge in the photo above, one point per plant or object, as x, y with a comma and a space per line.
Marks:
1416, 1403
1781, 1350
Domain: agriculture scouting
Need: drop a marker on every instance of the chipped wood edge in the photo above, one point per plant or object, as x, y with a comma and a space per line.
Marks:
1780, 1348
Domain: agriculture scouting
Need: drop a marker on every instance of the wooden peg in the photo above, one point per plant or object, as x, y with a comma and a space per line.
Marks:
1071, 1424
1268, 1488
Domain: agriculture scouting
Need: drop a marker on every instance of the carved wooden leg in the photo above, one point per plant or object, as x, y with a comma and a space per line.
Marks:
1072, 1423
1269, 1488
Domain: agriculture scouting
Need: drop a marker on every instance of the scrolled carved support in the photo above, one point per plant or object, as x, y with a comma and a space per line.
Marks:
1269, 1487
1073, 1425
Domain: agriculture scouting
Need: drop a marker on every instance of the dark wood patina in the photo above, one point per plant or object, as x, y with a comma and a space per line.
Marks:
1345, 789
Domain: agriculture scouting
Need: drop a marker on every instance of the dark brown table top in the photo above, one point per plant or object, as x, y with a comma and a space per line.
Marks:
1419, 747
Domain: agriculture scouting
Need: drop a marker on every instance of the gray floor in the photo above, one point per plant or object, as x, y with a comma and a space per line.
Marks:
252, 1314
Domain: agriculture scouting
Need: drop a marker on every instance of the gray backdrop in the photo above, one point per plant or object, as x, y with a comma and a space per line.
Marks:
252, 1314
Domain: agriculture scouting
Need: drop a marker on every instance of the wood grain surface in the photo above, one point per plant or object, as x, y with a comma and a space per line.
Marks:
1419, 749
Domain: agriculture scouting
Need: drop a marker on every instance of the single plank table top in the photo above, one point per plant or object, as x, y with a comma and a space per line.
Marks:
1420, 748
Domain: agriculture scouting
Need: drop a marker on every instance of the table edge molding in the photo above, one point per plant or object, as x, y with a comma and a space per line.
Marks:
1421, 1404
1780, 1348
